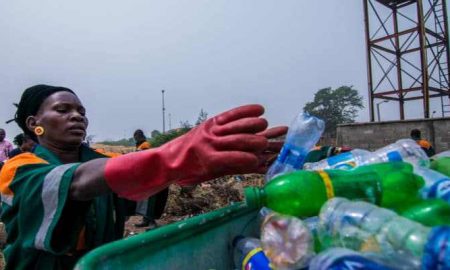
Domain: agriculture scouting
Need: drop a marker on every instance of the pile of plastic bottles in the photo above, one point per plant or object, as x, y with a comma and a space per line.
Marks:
387, 209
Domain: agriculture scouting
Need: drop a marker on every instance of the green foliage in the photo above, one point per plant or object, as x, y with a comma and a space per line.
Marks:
335, 107
155, 133
168, 136
202, 116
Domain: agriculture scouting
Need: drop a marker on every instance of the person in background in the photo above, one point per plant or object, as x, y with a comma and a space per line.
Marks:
64, 199
5, 146
153, 207
24, 143
141, 140
424, 144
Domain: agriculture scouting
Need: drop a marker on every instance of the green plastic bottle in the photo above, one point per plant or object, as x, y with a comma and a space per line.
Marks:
441, 165
431, 212
302, 193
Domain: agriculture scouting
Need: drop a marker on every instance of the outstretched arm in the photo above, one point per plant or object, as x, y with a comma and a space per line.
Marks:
233, 142
88, 180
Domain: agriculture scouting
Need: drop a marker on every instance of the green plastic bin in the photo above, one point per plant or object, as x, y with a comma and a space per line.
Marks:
201, 242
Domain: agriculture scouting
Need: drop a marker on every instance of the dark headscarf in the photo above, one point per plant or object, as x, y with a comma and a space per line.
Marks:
139, 136
30, 102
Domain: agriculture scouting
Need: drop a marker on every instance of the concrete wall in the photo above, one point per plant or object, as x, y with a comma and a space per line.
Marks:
378, 134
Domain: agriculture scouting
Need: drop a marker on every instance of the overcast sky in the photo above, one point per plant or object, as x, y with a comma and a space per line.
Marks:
207, 54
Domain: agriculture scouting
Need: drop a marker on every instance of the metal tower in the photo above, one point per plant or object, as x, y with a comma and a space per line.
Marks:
407, 52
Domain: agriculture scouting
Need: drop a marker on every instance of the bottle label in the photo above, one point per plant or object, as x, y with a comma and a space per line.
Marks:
327, 183
256, 260
344, 161
440, 189
292, 155
355, 262
437, 250
364, 186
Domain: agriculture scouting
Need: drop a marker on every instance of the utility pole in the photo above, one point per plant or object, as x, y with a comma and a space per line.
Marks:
163, 112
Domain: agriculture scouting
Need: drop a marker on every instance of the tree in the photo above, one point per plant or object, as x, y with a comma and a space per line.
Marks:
335, 107
185, 124
155, 133
202, 116
163, 138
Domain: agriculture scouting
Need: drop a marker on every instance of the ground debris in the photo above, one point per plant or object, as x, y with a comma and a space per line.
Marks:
186, 202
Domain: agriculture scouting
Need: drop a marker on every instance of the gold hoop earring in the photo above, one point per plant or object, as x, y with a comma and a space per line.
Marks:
39, 131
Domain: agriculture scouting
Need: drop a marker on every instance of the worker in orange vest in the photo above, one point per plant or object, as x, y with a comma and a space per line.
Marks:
424, 144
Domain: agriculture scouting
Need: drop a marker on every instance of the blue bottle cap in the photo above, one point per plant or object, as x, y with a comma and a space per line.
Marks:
394, 156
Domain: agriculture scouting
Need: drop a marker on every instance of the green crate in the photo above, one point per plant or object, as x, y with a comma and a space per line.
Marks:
201, 242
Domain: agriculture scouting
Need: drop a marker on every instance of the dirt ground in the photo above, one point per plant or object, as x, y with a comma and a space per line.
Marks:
206, 197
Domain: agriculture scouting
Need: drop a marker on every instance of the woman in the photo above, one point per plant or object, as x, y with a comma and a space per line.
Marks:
24, 144
62, 199
141, 140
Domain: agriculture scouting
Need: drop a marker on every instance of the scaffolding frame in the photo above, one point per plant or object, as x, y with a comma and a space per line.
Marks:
407, 52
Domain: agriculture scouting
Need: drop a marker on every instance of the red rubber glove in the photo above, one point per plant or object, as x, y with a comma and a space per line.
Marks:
265, 157
270, 154
225, 144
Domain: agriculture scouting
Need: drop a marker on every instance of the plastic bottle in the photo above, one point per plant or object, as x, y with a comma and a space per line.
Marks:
403, 150
302, 193
303, 133
248, 254
363, 226
431, 212
286, 241
441, 154
346, 259
441, 165
437, 185
313, 225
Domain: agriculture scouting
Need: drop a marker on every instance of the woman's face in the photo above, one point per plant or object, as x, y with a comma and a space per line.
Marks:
63, 118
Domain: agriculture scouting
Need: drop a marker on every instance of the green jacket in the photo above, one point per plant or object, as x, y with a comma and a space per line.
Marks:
47, 230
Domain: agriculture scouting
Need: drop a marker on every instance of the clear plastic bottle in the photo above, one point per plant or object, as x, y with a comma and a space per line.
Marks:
403, 150
346, 259
363, 226
248, 254
313, 225
441, 154
287, 241
304, 132
437, 185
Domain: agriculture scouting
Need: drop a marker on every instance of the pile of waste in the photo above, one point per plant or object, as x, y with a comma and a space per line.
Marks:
386, 209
